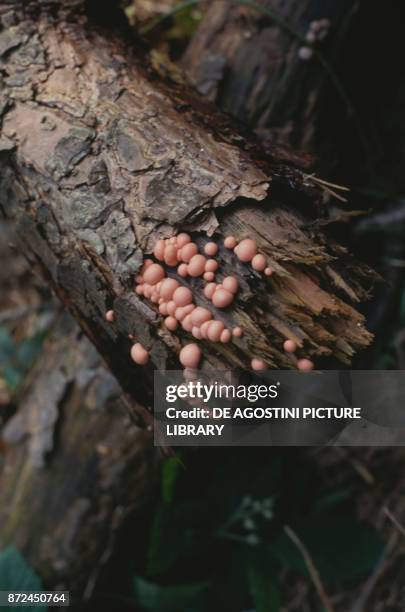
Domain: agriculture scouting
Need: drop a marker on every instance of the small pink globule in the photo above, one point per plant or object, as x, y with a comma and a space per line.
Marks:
170, 255
196, 266
290, 346
182, 296
139, 289
230, 242
110, 316
168, 287
182, 270
257, 364
196, 331
230, 283
225, 336
222, 298
211, 265
153, 274
237, 332
204, 329
182, 240
163, 309
154, 298
246, 250
209, 290
209, 276
268, 271
211, 249
147, 290
200, 315
188, 251
190, 356
159, 250
171, 323
139, 354
171, 307
187, 323
259, 262
181, 313
215, 330
305, 365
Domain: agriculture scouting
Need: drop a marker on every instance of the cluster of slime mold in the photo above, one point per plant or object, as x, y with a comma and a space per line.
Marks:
175, 301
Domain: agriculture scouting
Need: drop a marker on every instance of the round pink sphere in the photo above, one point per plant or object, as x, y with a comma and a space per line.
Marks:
209, 290
215, 330
139, 289
222, 298
188, 251
197, 265
204, 329
171, 307
211, 265
209, 276
171, 323
153, 274
225, 336
268, 271
246, 250
230, 283
170, 255
257, 364
139, 354
190, 356
210, 249
237, 332
305, 365
182, 296
110, 316
259, 262
163, 309
200, 315
196, 332
182, 240
159, 250
187, 323
230, 242
290, 346
168, 287
182, 270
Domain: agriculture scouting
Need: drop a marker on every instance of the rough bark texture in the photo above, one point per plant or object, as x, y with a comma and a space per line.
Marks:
73, 465
99, 158
251, 67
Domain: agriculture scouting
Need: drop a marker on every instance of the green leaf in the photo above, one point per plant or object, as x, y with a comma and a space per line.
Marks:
184, 597
341, 548
28, 349
16, 575
263, 582
165, 542
13, 376
170, 471
7, 346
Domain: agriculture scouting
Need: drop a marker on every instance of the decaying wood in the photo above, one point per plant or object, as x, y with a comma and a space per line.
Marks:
250, 65
99, 158
73, 465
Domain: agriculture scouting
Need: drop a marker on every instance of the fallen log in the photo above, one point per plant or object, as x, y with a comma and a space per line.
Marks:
99, 158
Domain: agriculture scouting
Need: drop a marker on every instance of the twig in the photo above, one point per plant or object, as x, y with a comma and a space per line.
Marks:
394, 520
313, 572
379, 570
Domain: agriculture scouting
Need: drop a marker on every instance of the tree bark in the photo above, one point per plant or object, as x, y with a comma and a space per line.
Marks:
252, 66
74, 466
99, 158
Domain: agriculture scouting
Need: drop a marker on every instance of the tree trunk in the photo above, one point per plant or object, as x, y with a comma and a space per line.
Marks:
99, 158
74, 465
258, 71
